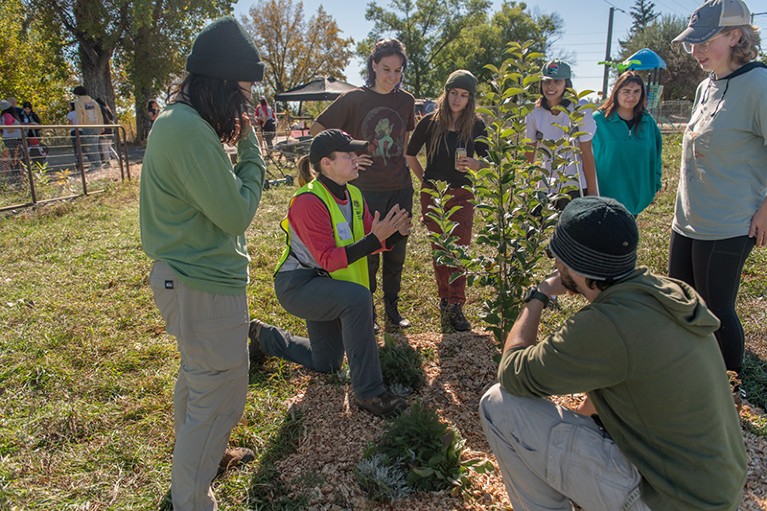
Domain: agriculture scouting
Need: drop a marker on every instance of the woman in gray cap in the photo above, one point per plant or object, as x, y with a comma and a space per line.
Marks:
721, 207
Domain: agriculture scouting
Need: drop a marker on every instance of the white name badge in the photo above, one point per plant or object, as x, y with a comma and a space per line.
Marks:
344, 232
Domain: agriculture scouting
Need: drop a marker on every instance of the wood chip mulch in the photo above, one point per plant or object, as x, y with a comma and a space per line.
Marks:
335, 433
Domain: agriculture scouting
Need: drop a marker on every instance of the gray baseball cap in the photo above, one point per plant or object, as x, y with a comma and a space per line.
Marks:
711, 17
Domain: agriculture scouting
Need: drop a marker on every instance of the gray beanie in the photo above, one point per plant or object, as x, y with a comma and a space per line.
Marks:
597, 237
224, 50
462, 79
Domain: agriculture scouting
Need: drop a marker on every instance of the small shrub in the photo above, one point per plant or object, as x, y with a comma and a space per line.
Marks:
382, 482
401, 366
427, 449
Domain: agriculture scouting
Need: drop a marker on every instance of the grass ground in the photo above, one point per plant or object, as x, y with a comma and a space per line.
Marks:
87, 371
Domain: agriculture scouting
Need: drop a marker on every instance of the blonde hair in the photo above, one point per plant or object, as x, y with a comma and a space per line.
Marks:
747, 48
308, 171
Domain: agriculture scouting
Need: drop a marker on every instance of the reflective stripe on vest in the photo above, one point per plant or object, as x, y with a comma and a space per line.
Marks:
357, 271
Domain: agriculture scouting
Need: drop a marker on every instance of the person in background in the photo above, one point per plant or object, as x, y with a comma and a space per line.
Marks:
322, 275
89, 114
267, 120
658, 428
72, 121
541, 124
15, 106
452, 125
384, 115
194, 210
152, 111
37, 150
721, 206
627, 146
9, 122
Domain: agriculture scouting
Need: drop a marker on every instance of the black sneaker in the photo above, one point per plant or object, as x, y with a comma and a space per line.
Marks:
257, 357
383, 405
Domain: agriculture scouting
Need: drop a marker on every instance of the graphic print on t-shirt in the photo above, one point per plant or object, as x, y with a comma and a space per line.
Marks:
385, 130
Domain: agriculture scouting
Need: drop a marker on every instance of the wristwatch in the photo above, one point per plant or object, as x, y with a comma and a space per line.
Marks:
534, 294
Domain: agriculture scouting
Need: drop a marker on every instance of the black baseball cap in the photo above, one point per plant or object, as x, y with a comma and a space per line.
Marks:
329, 141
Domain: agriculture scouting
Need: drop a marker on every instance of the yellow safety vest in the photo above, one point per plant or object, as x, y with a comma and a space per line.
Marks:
357, 271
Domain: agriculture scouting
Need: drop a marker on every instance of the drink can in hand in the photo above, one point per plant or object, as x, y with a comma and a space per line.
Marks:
460, 152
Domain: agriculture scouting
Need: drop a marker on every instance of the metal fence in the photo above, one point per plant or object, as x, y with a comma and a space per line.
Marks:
54, 162
673, 115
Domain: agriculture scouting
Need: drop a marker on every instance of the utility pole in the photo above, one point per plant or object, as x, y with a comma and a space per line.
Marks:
607, 52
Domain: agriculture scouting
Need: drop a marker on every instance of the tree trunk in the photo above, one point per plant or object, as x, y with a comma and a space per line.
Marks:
96, 72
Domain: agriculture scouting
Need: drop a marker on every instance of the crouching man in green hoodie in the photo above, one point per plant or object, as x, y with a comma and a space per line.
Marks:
658, 429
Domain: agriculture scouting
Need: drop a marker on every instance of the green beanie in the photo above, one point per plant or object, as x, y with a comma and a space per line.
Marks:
461, 79
224, 50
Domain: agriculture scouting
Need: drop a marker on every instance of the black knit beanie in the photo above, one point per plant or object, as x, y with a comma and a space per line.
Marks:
224, 50
461, 79
597, 237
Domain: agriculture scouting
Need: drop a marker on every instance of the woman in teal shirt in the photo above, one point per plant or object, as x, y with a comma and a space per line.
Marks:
627, 146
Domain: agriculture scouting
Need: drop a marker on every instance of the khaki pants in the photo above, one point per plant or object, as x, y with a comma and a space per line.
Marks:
209, 398
550, 455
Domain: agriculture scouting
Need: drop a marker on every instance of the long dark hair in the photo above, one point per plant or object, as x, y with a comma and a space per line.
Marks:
217, 101
381, 49
610, 106
442, 121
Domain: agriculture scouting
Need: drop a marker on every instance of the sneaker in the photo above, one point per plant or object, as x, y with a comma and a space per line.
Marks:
457, 320
233, 457
257, 357
383, 405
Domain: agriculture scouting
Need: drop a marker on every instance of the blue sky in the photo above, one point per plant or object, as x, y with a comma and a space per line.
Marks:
585, 27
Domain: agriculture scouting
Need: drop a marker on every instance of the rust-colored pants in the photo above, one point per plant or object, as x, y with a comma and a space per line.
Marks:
454, 292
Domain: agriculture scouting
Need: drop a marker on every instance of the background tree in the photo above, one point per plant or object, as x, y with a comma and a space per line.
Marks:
32, 67
683, 73
486, 42
428, 29
155, 47
97, 28
643, 13
296, 50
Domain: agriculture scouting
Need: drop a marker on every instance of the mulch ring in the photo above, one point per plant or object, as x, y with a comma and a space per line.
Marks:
335, 433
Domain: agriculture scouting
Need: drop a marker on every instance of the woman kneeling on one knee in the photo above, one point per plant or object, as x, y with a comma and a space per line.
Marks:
322, 275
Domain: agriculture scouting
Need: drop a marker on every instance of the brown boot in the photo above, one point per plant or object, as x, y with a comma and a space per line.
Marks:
457, 320
233, 457
383, 405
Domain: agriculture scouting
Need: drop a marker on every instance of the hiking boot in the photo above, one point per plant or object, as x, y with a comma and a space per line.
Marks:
233, 457
383, 405
393, 317
257, 357
457, 320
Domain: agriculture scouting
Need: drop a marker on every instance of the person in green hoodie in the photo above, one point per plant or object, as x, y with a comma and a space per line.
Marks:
658, 429
194, 210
